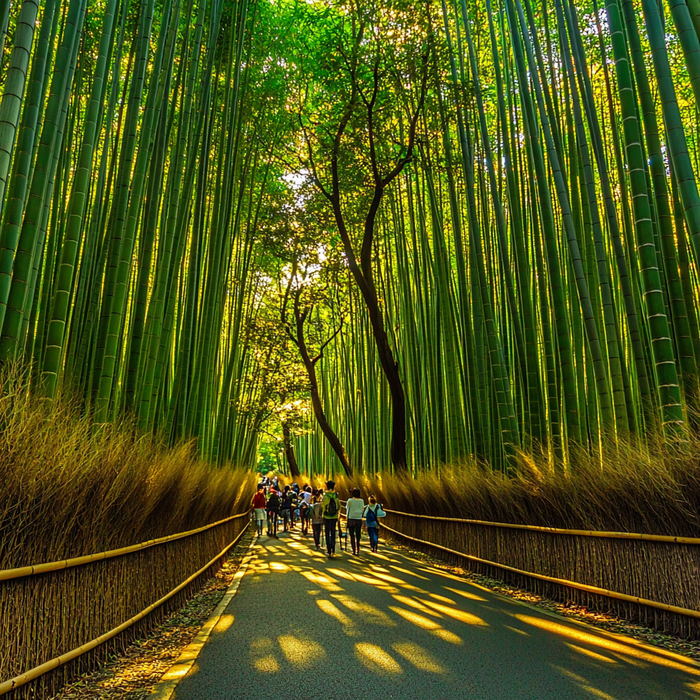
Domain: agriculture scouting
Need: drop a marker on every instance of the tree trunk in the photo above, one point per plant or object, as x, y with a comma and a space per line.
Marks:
391, 371
289, 451
320, 414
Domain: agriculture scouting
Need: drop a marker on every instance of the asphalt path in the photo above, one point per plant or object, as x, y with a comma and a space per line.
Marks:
387, 625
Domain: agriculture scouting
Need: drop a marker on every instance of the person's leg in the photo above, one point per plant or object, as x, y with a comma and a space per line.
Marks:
372, 532
340, 535
351, 530
274, 515
330, 536
316, 527
358, 534
269, 523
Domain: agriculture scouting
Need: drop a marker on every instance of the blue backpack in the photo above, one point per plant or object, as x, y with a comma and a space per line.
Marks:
371, 517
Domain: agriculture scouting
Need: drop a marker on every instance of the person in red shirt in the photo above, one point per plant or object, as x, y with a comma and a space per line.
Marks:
259, 504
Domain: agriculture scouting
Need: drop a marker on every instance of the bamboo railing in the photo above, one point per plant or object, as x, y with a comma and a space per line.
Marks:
649, 578
49, 607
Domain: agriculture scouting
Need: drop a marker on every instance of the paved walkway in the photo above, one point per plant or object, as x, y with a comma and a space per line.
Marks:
303, 627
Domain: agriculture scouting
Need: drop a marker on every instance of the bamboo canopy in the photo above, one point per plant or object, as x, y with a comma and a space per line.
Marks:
358, 235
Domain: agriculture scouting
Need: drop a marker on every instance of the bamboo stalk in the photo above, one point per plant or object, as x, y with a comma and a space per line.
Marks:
37, 671
32, 570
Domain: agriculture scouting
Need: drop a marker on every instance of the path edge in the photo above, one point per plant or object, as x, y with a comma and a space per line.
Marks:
169, 681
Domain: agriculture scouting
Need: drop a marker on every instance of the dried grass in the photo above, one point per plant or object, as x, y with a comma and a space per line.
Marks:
69, 488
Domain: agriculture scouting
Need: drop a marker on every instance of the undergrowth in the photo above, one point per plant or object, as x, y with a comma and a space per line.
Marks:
654, 490
68, 488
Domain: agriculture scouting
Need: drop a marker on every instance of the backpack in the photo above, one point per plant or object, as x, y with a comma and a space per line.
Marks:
371, 517
331, 510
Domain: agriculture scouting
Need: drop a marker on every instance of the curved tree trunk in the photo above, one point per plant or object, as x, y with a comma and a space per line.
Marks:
289, 451
310, 365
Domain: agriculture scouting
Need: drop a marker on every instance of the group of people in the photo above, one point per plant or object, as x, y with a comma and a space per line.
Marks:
319, 508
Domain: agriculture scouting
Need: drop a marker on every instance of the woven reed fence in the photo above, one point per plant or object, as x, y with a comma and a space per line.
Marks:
58, 620
652, 579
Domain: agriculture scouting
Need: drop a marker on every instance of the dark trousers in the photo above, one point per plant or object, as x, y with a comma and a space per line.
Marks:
373, 533
271, 522
287, 518
330, 526
355, 529
317, 527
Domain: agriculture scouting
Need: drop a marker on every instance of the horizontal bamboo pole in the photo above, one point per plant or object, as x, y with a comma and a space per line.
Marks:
669, 539
7, 574
561, 581
38, 671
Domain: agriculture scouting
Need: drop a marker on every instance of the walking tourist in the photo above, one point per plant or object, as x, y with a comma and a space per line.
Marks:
273, 509
316, 515
373, 511
305, 509
331, 511
259, 508
355, 510
287, 516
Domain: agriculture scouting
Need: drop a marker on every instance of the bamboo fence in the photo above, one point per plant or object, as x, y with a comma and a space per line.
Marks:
652, 579
62, 618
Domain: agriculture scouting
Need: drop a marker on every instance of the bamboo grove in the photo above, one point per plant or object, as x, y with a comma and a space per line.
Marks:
397, 233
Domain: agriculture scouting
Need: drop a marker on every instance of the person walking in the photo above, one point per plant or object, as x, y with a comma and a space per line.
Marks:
259, 508
355, 511
287, 508
331, 511
273, 509
373, 511
316, 515
305, 509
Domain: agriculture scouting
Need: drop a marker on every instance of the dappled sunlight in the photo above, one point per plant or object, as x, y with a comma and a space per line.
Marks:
442, 598
584, 684
409, 573
637, 652
330, 609
419, 657
415, 604
326, 582
266, 664
415, 619
428, 625
465, 594
457, 614
361, 578
374, 616
225, 621
301, 653
591, 654
443, 574
446, 636
376, 659
264, 660
383, 557
367, 612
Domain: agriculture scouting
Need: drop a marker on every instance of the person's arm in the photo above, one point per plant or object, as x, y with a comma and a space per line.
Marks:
380, 511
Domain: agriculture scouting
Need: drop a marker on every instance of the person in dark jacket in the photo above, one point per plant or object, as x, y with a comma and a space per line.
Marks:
273, 509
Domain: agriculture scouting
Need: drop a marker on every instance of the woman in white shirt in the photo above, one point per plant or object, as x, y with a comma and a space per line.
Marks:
355, 508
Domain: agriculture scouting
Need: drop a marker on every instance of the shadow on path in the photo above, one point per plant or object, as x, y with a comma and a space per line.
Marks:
389, 626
